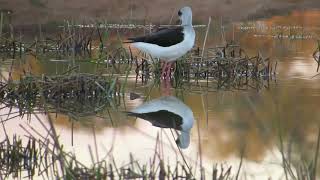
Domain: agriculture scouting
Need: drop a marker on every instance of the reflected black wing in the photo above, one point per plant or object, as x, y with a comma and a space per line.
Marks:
165, 37
162, 118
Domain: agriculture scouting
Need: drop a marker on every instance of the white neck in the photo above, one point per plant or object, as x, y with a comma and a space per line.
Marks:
186, 21
184, 139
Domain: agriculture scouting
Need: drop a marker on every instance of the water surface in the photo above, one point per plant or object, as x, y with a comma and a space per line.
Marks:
232, 124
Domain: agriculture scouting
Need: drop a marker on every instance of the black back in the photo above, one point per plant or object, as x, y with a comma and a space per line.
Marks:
162, 118
165, 37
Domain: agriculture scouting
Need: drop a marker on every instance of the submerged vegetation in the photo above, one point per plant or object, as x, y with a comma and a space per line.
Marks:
78, 94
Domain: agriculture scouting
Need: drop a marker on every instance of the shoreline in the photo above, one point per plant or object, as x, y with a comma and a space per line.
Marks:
44, 12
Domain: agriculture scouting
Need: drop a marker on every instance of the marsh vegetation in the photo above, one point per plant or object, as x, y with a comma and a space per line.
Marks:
252, 85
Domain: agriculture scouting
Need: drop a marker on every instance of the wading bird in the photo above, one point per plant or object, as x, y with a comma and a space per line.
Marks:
168, 44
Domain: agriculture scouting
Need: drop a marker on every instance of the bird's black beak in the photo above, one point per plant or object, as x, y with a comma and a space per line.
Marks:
177, 141
178, 21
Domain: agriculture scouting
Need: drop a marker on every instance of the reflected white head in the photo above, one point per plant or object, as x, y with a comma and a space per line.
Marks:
185, 15
183, 140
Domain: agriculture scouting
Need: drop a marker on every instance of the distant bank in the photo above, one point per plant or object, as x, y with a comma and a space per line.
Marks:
26, 12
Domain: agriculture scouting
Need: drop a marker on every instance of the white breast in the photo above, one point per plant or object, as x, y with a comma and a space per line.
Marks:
170, 53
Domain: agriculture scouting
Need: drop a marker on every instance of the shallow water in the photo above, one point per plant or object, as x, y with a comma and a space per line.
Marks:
232, 124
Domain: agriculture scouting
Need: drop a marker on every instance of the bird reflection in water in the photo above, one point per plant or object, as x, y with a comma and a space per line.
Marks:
168, 112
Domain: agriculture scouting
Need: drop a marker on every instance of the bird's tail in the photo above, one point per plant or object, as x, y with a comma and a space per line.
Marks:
130, 40
128, 113
127, 41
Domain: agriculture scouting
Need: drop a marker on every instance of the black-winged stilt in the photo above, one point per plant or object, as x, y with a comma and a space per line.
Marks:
168, 44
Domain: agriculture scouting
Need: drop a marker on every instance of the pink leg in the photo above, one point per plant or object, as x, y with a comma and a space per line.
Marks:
165, 87
168, 73
163, 67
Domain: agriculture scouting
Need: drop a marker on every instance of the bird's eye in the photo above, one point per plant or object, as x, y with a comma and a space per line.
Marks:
179, 13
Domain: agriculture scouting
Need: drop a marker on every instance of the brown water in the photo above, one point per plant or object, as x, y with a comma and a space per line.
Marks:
229, 121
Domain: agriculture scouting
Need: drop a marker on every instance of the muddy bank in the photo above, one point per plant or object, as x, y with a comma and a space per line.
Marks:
45, 11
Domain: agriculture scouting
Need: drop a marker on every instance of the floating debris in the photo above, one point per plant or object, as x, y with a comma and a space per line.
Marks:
284, 36
124, 26
262, 26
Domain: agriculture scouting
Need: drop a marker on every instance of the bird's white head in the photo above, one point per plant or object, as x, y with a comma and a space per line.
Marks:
185, 15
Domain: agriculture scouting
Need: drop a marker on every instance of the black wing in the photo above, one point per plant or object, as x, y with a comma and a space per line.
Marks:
162, 118
165, 37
